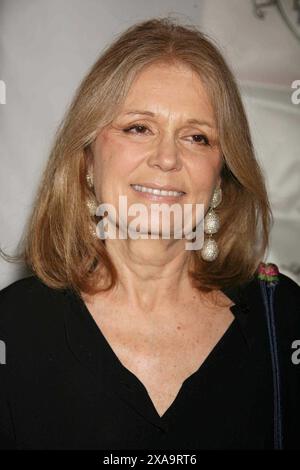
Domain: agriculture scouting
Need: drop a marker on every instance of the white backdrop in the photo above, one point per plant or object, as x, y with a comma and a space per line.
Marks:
47, 47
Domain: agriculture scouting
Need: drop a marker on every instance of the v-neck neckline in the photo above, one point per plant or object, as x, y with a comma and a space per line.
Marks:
128, 385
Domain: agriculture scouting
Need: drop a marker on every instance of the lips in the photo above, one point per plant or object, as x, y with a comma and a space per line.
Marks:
160, 187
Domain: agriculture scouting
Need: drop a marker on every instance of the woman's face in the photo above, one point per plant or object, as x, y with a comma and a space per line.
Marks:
163, 136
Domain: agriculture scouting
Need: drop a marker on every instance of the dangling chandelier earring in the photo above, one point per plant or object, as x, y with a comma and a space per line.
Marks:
210, 250
91, 204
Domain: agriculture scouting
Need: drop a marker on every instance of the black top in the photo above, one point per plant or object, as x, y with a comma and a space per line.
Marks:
63, 387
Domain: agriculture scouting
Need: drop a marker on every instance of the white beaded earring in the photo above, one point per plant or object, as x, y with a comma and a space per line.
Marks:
210, 250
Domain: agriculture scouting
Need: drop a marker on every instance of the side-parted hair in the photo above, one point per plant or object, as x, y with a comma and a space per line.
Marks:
58, 245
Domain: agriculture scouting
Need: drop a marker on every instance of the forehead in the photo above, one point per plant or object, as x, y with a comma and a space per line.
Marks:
174, 88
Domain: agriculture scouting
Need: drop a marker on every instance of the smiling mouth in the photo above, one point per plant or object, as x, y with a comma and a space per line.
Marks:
156, 191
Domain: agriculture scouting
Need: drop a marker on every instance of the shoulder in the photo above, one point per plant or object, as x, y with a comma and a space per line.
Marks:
278, 291
31, 331
286, 303
287, 286
29, 308
286, 291
27, 292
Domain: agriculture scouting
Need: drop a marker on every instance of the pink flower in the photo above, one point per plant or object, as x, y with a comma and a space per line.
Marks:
268, 269
271, 270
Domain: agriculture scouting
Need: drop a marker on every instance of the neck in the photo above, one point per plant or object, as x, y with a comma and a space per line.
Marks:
151, 273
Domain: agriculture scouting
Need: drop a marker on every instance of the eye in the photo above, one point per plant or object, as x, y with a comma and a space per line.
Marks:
201, 137
139, 127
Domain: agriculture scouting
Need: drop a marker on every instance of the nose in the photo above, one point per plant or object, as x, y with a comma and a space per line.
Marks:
165, 155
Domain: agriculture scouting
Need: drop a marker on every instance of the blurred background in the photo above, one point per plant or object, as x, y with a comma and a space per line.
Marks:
47, 47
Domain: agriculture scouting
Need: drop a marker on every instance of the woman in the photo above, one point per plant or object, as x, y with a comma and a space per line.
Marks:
131, 342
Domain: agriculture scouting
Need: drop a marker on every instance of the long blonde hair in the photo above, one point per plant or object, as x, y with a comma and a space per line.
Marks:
58, 245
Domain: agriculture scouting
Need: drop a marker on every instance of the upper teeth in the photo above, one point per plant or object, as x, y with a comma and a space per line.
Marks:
158, 192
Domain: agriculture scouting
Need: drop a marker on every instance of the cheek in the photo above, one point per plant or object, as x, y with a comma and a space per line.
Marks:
117, 156
112, 169
204, 176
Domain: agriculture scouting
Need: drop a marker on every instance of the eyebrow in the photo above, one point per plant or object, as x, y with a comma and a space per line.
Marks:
189, 121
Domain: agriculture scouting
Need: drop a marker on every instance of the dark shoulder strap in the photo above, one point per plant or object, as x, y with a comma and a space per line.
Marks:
268, 276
